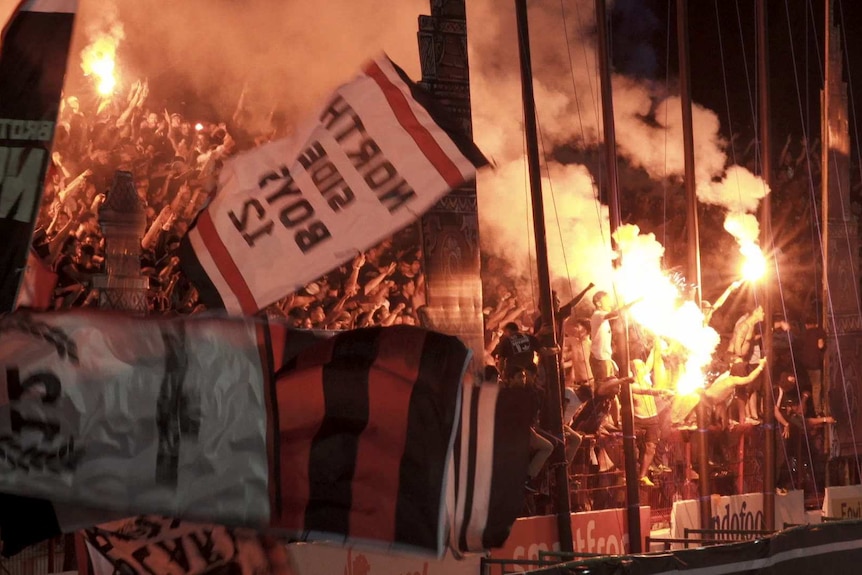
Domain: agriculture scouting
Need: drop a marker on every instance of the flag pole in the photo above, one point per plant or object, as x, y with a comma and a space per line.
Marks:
627, 410
553, 402
766, 248
692, 223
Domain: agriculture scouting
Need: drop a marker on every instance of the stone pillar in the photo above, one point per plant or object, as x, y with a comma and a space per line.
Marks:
450, 230
841, 305
123, 220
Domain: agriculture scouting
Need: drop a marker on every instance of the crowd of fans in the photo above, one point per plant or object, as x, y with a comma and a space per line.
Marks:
175, 161
592, 362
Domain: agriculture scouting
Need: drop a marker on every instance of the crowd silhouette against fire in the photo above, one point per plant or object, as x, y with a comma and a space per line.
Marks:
176, 161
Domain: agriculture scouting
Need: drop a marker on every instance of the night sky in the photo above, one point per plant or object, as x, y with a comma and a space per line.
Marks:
726, 28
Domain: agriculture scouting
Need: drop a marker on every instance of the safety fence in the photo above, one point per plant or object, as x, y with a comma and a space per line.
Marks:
735, 465
834, 546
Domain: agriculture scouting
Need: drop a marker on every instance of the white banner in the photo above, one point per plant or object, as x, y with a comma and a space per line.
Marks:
124, 413
737, 513
370, 162
844, 502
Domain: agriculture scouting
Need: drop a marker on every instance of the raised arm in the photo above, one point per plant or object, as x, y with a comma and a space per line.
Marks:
751, 376
616, 313
723, 297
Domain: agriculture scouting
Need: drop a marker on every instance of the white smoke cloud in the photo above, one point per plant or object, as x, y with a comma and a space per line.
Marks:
574, 220
291, 54
648, 131
739, 191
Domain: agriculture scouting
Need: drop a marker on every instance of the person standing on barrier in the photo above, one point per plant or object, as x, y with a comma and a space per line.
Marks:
645, 418
740, 350
794, 412
813, 352
601, 349
517, 351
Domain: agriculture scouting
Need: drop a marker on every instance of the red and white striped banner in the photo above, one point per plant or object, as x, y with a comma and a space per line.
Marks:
375, 157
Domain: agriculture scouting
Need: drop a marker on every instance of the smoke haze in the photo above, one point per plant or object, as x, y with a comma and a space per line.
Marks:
290, 54
648, 129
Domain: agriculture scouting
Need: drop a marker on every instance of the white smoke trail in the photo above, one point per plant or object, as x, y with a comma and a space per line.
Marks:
648, 128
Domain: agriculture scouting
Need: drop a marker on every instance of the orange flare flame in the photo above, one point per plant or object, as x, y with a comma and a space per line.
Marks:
98, 60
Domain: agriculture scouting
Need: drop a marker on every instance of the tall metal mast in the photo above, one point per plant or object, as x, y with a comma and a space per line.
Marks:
769, 276
692, 223
546, 300
627, 411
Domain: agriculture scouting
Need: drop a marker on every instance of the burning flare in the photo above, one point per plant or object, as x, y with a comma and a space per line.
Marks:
99, 61
746, 229
754, 266
662, 309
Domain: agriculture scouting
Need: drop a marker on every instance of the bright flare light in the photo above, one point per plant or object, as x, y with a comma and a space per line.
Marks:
662, 309
199, 127
99, 61
754, 266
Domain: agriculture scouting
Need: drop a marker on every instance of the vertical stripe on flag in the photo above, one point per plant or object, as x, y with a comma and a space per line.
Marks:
434, 413
381, 445
511, 446
301, 410
459, 454
332, 459
225, 264
484, 453
196, 260
470, 435
492, 465
266, 347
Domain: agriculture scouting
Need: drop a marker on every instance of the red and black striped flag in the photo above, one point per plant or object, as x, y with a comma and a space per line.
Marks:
348, 438
366, 423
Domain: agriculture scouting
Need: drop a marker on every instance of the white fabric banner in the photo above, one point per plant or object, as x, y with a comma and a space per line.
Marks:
843, 502
370, 162
124, 413
737, 513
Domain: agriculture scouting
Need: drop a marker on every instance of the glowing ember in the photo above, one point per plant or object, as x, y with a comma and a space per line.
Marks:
754, 266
